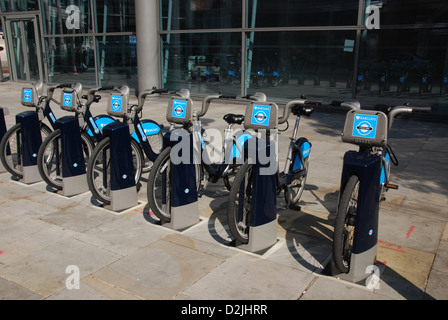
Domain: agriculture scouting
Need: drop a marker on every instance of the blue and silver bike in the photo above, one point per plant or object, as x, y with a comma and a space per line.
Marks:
159, 180
292, 180
49, 158
364, 181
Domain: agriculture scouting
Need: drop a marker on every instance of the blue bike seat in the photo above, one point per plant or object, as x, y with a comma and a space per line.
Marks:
231, 118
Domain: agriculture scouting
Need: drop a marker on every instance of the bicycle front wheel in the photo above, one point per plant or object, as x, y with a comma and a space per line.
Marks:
49, 158
159, 185
11, 148
240, 202
344, 228
98, 169
294, 191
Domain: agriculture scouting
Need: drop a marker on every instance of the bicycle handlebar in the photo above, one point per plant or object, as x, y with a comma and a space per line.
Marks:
258, 96
405, 109
142, 96
290, 104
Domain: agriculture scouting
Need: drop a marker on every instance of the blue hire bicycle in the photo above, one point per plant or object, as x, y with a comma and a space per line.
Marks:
364, 181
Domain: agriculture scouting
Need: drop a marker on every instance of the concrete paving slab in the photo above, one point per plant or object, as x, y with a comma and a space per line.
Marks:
27, 236
244, 277
12, 291
44, 271
326, 288
301, 252
122, 236
405, 263
159, 271
93, 289
410, 230
79, 218
437, 287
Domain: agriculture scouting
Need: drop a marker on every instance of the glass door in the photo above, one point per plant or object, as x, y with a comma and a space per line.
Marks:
24, 49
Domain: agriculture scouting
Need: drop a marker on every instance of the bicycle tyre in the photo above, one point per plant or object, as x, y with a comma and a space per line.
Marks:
294, 192
344, 227
159, 185
10, 156
49, 165
240, 201
95, 178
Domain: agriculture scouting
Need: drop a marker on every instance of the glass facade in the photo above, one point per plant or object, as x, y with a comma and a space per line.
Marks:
90, 41
377, 51
328, 49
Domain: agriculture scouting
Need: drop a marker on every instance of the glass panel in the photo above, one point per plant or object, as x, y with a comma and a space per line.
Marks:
203, 62
117, 60
393, 12
115, 16
31, 49
58, 18
17, 50
285, 65
405, 65
70, 59
296, 13
200, 14
19, 5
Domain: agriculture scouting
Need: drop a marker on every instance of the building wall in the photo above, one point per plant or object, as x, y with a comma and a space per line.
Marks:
327, 49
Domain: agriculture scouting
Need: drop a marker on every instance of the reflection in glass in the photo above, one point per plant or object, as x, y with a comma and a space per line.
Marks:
19, 5
287, 64
202, 62
404, 64
117, 60
57, 21
297, 13
70, 59
114, 16
200, 14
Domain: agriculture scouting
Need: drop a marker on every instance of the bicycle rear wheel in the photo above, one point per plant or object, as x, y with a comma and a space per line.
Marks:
240, 201
11, 148
344, 228
49, 158
98, 169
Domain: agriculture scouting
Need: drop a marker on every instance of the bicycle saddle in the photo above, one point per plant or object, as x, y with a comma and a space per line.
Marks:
96, 98
231, 118
302, 110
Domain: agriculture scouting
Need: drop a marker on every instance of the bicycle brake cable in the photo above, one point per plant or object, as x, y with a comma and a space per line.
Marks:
393, 157
287, 127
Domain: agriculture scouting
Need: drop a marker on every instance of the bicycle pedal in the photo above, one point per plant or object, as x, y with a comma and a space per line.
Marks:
391, 186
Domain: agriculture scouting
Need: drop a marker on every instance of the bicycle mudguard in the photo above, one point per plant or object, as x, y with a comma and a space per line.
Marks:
99, 122
385, 169
241, 141
149, 128
304, 146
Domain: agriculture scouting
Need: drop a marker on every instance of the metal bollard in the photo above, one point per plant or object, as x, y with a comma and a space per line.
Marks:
31, 141
184, 196
263, 220
73, 163
123, 190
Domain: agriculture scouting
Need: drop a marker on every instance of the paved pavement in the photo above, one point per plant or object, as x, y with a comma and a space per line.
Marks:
129, 255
